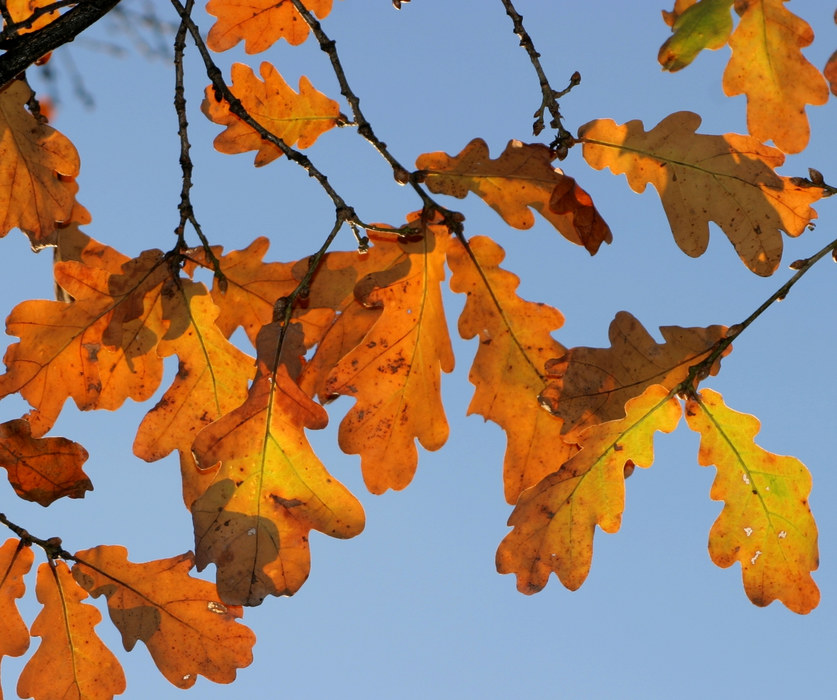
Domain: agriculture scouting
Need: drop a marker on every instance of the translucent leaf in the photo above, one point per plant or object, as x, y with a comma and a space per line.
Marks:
705, 25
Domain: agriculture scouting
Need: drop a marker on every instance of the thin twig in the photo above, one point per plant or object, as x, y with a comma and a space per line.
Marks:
52, 546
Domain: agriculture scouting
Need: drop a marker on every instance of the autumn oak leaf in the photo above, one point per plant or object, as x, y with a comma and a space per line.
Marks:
187, 629
706, 24
554, 521
766, 524
296, 118
767, 66
71, 661
38, 166
15, 561
394, 373
727, 179
515, 342
259, 23
523, 177
42, 469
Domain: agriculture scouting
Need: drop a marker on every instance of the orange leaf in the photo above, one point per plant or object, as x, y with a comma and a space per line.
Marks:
259, 23
99, 349
15, 562
270, 489
769, 68
296, 118
394, 372
592, 385
71, 661
522, 177
187, 630
211, 380
554, 521
21, 10
74, 244
42, 469
515, 343
727, 179
766, 523
37, 170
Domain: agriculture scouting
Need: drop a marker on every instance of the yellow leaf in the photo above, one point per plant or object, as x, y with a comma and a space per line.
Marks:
554, 521
296, 118
727, 179
522, 177
259, 23
515, 343
394, 372
767, 66
71, 661
37, 170
187, 629
766, 523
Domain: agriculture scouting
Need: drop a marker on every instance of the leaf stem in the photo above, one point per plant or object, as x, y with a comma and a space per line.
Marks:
51, 546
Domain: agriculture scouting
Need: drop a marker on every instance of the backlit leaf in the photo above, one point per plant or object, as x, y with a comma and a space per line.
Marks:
33, 197
591, 385
296, 118
767, 66
554, 521
71, 661
270, 488
766, 523
704, 25
259, 23
515, 343
727, 179
15, 562
522, 177
181, 620
42, 469
394, 373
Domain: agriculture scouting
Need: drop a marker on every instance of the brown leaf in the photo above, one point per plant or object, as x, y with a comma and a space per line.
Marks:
522, 177
181, 620
42, 469
71, 661
591, 385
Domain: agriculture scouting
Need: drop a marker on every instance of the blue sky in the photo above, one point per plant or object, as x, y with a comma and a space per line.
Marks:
413, 607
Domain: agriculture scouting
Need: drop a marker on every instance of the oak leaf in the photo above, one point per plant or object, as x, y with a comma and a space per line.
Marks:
37, 170
766, 523
394, 373
42, 469
270, 488
71, 661
591, 385
727, 179
515, 342
554, 521
15, 562
99, 349
181, 620
259, 23
706, 24
522, 177
211, 379
767, 66
296, 118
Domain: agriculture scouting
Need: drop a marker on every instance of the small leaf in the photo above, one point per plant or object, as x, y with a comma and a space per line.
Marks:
705, 25
71, 661
766, 523
522, 177
296, 118
186, 628
554, 521
42, 469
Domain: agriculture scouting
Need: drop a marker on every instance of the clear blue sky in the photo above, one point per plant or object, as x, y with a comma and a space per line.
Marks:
413, 608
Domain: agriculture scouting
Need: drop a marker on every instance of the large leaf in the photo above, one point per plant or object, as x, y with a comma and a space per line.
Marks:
296, 118
767, 66
766, 523
522, 177
554, 521
727, 179
186, 628
515, 342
